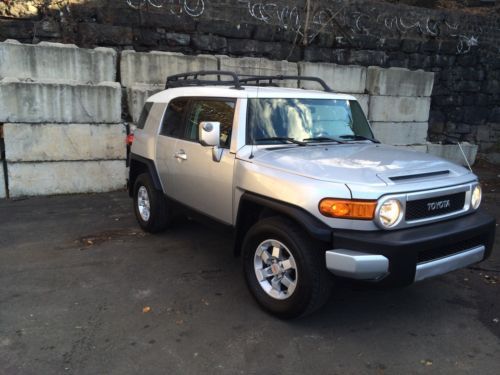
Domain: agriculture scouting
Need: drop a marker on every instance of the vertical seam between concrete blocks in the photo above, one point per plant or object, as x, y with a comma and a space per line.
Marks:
4, 166
118, 75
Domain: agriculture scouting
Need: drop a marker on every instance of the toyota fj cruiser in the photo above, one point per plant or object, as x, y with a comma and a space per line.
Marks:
304, 185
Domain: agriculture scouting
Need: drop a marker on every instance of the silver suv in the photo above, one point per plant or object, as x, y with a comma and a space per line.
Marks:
305, 187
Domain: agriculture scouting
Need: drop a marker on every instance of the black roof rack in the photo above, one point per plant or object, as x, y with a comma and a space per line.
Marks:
191, 79
238, 80
268, 80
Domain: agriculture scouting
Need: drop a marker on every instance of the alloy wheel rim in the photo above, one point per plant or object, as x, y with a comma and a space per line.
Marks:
143, 203
275, 269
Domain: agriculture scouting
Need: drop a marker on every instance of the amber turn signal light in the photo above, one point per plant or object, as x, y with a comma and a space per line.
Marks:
348, 209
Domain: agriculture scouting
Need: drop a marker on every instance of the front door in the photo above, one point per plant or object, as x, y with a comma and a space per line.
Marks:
194, 178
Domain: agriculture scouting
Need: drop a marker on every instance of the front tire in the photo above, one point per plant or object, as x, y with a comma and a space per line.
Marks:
150, 205
284, 268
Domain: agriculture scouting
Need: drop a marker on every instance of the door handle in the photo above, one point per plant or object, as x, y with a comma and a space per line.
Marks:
180, 155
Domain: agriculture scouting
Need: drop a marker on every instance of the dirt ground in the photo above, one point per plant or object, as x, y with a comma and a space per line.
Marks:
84, 291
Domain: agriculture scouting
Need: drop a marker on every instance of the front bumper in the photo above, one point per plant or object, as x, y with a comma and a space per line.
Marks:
402, 257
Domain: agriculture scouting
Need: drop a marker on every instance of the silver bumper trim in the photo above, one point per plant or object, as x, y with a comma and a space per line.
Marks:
356, 265
449, 263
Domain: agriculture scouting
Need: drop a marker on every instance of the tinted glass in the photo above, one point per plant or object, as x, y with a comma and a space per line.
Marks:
144, 115
211, 110
303, 119
173, 123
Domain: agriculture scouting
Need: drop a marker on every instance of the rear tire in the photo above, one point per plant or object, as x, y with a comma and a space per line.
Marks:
285, 268
150, 205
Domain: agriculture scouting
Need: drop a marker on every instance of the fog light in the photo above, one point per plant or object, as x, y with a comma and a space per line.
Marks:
477, 194
390, 213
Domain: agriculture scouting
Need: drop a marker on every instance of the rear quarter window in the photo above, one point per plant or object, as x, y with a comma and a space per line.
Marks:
173, 120
144, 115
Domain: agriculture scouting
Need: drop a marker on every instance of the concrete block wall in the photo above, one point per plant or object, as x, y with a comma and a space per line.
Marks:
399, 104
259, 67
57, 62
397, 133
154, 67
399, 82
349, 79
65, 177
399, 108
62, 119
78, 142
59, 102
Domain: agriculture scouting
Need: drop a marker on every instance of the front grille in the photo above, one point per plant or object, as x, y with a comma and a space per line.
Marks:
449, 249
435, 206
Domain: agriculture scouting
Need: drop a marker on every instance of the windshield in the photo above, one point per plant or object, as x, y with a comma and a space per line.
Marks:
273, 120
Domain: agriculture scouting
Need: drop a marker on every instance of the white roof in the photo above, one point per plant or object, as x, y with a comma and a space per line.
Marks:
246, 92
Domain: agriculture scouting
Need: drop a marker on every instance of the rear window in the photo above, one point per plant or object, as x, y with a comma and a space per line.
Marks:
144, 115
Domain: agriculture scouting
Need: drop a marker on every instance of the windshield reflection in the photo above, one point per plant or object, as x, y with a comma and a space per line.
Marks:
305, 119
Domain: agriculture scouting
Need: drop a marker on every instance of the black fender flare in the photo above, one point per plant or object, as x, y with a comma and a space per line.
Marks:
311, 224
151, 170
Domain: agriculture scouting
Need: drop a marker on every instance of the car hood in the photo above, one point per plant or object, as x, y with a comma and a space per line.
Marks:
356, 163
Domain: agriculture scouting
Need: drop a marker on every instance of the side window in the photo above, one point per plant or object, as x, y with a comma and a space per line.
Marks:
144, 115
211, 110
173, 123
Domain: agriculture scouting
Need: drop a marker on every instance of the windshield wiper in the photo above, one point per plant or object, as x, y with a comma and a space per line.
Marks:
282, 139
355, 137
322, 139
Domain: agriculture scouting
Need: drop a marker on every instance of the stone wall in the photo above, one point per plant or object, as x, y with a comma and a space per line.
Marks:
462, 49
399, 105
62, 120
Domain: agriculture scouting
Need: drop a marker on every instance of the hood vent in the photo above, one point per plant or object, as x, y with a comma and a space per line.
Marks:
419, 175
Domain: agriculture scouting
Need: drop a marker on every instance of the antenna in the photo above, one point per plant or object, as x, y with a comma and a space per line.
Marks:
463, 153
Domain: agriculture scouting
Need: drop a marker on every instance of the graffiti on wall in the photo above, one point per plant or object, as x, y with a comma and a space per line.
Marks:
193, 8
308, 22
336, 19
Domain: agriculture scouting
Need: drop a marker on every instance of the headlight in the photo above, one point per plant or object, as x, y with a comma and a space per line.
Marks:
475, 200
390, 213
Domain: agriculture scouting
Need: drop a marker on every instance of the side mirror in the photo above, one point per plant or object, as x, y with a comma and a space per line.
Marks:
209, 133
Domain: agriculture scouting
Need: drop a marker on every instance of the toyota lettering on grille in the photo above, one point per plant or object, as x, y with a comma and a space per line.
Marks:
439, 205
